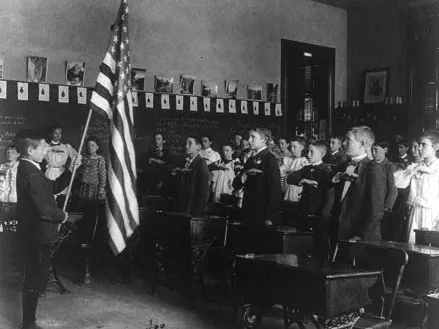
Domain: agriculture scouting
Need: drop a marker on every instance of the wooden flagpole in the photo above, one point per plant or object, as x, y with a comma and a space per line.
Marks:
75, 167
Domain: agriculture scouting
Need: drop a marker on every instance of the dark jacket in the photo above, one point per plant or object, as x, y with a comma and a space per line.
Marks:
391, 191
335, 159
193, 188
262, 192
37, 210
314, 200
361, 210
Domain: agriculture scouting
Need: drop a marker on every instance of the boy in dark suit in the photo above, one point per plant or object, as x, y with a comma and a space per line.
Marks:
315, 203
359, 191
260, 179
336, 154
40, 218
193, 180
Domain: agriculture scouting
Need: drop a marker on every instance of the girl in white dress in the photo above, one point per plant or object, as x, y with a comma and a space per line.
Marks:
8, 176
423, 182
58, 155
226, 174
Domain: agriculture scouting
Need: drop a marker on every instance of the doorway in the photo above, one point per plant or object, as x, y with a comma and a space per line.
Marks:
307, 88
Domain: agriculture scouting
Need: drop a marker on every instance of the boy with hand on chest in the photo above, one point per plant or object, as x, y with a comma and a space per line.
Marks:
316, 202
260, 180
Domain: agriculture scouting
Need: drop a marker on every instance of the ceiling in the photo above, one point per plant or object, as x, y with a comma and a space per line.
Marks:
346, 4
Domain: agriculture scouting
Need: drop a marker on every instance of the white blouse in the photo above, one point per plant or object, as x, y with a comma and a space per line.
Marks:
8, 182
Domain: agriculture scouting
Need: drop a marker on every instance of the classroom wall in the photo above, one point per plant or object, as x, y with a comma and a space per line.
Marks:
378, 37
214, 40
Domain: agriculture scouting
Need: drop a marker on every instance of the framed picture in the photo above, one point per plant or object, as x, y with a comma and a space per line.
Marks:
36, 69
187, 84
231, 88
75, 73
209, 89
376, 85
164, 84
254, 92
272, 92
138, 79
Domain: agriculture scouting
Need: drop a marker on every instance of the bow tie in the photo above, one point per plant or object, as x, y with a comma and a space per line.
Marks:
54, 144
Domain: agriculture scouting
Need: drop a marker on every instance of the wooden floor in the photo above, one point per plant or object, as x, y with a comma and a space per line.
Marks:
110, 304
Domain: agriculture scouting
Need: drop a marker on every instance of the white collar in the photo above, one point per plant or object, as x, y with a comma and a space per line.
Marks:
359, 157
316, 164
333, 153
403, 157
36, 164
258, 151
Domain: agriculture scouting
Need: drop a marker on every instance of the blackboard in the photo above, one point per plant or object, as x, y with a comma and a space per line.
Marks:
175, 124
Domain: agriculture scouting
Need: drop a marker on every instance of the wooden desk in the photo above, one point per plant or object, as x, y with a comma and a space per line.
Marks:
307, 285
422, 271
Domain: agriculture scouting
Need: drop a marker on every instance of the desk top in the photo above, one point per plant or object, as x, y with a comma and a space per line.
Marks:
309, 265
410, 248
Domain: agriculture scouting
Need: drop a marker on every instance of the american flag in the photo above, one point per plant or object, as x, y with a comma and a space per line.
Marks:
112, 97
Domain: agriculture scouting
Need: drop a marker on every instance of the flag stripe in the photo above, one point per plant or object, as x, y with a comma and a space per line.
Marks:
112, 96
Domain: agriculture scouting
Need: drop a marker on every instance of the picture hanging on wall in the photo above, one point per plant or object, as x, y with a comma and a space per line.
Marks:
2, 61
138, 79
231, 88
187, 84
376, 85
36, 69
254, 92
272, 92
75, 72
164, 84
209, 89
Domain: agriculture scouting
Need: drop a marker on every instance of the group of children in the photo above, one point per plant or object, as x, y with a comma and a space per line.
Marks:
390, 195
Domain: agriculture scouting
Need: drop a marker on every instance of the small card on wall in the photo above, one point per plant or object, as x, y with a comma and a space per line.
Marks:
256, 108
179, 102
232, 106
244, 109
3, 89
22, 90
149, 100
267, 108
82, 95
219, 105
63, 94
278, 110
43, 92
165, 102
206, 102
194, 104
135, 97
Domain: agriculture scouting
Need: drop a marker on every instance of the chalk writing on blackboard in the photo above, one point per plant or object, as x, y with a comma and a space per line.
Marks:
12, 120
6, 138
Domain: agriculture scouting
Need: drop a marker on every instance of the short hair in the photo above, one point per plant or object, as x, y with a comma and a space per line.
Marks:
404, 141
208, 136
364, 135
237, 134
228, 145
320, 145
94, 139
264, 132
382, 143
282, 137
54, 127
300, 140
159, 133
12, 147
26, 139
196, 138
433, 136
338, 138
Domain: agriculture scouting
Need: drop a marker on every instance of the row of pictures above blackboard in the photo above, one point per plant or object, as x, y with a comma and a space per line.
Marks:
163, 84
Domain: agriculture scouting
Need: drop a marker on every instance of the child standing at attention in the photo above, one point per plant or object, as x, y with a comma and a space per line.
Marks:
296, 162
226, 173
315, 202
423, 180
260, 179
336, 154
